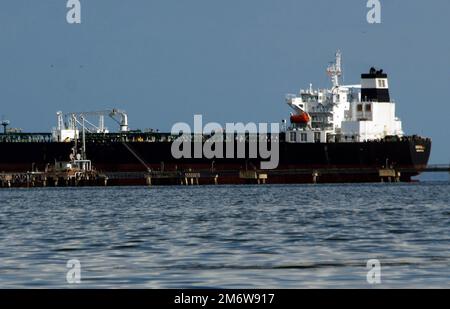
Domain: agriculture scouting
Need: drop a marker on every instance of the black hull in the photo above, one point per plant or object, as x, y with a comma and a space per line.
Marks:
299, 162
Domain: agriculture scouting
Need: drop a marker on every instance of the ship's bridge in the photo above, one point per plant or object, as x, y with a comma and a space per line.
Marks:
344, 112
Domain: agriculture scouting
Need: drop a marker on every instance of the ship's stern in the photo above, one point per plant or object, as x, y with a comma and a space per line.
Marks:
420, 149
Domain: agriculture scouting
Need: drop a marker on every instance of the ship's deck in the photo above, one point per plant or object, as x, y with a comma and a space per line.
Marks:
149, 137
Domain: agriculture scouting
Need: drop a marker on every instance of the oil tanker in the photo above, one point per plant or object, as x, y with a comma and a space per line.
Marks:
346, 133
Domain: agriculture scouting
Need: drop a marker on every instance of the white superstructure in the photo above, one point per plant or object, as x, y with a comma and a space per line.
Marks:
344, 113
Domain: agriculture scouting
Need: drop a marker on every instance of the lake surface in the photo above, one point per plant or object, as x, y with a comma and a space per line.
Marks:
291, 236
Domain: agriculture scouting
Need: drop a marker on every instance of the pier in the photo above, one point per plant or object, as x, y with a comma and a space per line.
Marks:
51, 179
61, 174
261, 177
438, 168
58, 176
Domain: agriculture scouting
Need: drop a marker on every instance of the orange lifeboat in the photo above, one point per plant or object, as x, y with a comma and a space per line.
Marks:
300, 118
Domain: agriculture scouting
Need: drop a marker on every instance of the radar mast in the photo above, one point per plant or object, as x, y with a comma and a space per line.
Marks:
334, 70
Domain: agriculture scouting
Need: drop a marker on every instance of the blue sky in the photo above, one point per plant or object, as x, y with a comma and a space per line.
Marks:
165, 60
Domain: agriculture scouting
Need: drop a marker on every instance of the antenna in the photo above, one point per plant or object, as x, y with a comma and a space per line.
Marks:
334, 70
5, 124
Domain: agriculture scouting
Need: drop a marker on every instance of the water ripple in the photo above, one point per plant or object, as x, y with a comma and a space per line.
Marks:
227, 236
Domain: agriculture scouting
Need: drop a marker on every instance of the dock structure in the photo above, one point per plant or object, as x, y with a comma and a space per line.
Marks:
438, 168
260, 177
60, 177
257, 177
52, 179
61, 174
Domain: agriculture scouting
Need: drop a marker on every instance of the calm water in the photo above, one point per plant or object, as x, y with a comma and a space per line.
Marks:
227, 236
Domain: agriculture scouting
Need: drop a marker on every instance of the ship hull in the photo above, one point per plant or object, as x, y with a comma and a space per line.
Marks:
298, 162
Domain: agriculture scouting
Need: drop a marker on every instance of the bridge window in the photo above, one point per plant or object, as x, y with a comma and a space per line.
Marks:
293, 136
304, 137
317, 137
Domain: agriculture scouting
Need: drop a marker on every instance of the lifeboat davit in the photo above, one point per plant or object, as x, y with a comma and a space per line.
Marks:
300, 118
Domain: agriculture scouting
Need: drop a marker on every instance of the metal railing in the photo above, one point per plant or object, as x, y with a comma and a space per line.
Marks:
26, 138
